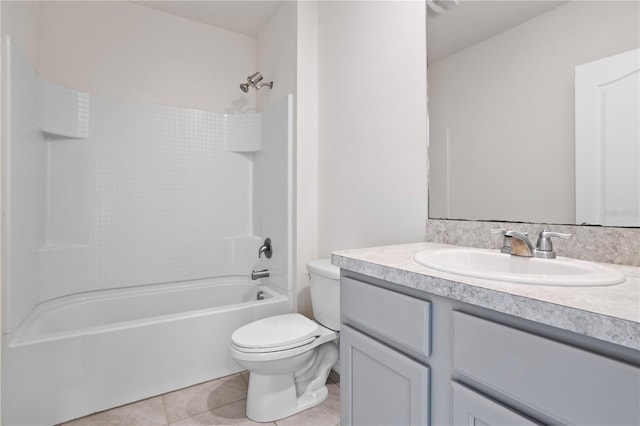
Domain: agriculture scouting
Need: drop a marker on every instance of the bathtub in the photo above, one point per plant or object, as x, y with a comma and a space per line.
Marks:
88, 352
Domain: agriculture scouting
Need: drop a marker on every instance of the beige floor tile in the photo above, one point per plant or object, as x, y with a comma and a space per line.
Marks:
148, 412
232, 414
204, 397
325, 414
245, 374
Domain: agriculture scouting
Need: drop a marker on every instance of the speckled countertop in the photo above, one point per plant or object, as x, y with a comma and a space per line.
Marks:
609, 313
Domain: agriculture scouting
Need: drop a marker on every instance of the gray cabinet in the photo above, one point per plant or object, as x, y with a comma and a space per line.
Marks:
381, 381
409, 357
387, 314
570, 385
470, 408
379, 385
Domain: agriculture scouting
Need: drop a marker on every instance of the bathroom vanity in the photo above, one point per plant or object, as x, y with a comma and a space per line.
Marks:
419, 346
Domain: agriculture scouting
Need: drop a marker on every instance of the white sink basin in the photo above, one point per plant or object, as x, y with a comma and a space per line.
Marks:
491, 264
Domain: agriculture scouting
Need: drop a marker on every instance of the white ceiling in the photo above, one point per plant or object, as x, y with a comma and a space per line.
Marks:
462, 26
240, 16
475, 20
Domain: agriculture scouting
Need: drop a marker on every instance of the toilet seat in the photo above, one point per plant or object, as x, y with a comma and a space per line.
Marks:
298, 343
276, 333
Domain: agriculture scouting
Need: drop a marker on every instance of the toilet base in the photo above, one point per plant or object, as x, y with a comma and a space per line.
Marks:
280, 400
274, 396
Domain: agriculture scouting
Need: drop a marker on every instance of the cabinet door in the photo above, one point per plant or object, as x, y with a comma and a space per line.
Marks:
380, 386
472, 409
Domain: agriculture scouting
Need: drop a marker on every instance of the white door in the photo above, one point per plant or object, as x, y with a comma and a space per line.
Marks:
608, 141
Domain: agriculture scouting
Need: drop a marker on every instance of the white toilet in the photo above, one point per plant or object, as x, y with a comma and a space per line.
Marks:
289, 356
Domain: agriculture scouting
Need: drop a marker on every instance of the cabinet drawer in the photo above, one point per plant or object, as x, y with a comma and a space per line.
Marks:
402, 319
569, 384
471, 408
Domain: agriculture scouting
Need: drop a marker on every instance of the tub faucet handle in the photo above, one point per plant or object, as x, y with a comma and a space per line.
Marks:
266, 249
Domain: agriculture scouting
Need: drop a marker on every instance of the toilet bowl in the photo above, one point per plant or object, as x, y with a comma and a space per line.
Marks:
290, 356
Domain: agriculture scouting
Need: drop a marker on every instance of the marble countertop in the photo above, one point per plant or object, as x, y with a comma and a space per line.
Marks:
609, 313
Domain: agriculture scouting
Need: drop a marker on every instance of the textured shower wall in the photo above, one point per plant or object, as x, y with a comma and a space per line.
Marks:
165, 197
273, 191
24, 160
107, 193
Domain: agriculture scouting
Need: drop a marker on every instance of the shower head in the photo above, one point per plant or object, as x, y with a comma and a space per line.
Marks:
255, 81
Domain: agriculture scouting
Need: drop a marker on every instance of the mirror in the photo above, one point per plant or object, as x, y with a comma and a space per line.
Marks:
501, 89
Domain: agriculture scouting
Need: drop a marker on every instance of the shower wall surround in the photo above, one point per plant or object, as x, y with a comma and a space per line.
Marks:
24, 168
105, 193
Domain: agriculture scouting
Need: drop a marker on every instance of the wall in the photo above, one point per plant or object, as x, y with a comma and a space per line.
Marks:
20, 20
372, 124
169, 60
508, 105
306, 149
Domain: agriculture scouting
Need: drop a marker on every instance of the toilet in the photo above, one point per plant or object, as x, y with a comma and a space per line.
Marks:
290, 356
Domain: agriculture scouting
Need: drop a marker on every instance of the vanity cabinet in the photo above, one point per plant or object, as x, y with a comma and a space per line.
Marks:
380, 383
472, 366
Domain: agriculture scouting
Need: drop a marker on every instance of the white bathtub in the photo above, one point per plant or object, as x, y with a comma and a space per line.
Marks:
89, 352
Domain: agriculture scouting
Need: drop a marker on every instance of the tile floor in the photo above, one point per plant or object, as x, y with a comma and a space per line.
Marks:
218, 402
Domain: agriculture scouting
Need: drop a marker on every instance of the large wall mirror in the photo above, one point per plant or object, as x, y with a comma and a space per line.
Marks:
502, 111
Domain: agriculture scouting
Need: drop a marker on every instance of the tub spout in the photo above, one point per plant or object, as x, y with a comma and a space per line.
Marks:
264, 273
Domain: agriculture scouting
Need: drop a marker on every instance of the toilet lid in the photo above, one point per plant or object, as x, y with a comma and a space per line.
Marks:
281, 330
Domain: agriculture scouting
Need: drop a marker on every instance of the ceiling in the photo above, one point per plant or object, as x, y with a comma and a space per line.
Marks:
240, 16
460, 27
475, 20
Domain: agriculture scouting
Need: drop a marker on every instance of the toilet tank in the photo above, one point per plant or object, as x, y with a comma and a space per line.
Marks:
325, 292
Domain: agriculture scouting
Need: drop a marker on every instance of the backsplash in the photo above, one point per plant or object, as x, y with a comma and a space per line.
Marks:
595, 243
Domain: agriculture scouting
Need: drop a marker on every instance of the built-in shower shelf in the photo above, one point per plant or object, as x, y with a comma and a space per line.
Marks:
64, 112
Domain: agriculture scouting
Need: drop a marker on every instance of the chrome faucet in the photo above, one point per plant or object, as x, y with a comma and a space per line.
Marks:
506, 247
521, 245
263, 273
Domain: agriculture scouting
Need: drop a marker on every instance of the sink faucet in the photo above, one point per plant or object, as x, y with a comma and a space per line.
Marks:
506, 247
521, 245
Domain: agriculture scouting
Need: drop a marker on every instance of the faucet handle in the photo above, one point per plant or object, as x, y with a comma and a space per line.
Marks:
266, 249
544, 240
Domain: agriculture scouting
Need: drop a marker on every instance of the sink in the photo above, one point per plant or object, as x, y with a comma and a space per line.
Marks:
493, 265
